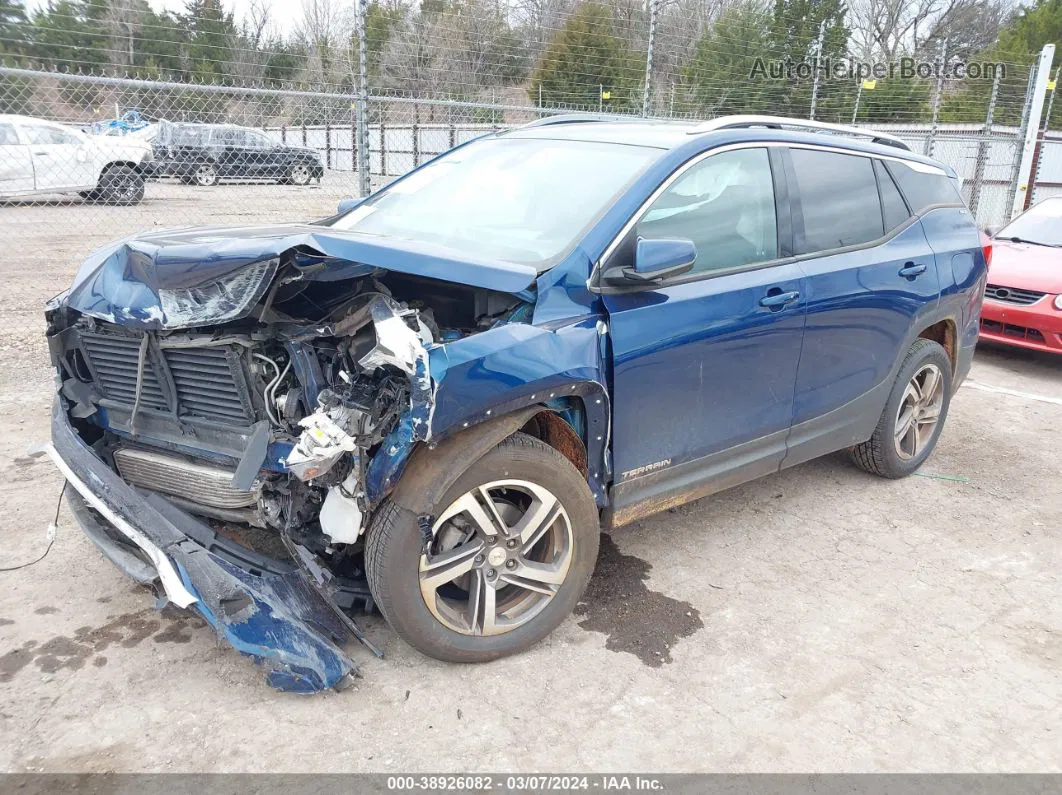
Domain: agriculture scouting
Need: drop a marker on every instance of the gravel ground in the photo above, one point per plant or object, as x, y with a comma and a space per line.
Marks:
816, 620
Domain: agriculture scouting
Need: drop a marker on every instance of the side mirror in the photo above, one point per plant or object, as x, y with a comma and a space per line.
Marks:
346, 205
992, 230
654, 261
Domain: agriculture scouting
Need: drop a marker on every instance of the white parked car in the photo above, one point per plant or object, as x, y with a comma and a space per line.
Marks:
42, 157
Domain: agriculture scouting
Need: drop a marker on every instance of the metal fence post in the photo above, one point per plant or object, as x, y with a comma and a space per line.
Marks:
1031, 127
859, 96
648, 89
938, 95
383, 148
361, 112
416, 136
984, 147
328, 145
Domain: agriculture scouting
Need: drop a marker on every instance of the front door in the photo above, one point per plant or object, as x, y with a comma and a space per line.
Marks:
704, 366
62, 160
16, 163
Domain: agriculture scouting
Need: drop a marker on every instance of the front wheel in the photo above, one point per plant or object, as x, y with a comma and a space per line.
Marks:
120, 185
913, 417
509, 554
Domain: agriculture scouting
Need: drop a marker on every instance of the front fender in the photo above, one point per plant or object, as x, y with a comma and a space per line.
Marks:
506, 369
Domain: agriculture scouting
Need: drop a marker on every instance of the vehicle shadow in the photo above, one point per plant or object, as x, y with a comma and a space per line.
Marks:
1020, 360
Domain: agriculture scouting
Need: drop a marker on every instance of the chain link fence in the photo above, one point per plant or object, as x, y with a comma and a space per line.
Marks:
86, 158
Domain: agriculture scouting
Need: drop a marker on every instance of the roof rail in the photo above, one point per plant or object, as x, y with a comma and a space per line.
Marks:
570, 118
780, 122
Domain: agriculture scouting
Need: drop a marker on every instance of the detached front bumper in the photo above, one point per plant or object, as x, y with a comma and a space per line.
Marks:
263, 607
1037, 326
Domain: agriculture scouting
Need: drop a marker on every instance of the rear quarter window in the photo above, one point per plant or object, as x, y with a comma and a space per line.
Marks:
923, 189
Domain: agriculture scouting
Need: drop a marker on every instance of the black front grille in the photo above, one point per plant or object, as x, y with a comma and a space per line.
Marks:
207, 382
1012, 295
1011, 330
115, 360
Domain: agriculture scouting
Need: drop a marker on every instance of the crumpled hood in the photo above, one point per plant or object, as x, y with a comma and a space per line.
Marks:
187, 277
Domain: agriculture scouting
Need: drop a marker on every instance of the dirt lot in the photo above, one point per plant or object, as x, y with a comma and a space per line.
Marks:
817, 620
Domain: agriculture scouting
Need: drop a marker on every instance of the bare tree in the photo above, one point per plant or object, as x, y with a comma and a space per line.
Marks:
325, 32
249, 53
888, 29
122, 20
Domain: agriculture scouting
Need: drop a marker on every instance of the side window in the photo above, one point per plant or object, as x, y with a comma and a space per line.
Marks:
8, 135
838, 200
893, 207
922, 189
257, 140
725, 205
39, 135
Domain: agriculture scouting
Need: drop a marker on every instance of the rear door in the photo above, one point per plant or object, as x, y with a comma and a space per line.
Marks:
870, 275
704, 365
16, 163
263, 156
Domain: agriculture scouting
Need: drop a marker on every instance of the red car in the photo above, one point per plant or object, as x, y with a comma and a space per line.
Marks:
1023, 299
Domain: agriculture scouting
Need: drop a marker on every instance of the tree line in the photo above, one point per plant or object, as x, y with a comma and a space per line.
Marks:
562, 53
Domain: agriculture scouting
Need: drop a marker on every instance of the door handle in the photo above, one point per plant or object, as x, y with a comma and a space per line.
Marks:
912, 269
778, 300
43, 154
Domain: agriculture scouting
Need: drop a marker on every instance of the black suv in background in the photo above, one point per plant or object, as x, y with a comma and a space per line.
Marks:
202, 154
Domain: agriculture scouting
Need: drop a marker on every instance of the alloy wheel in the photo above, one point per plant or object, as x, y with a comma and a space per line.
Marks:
919, 412
497, 556
300, 174
206, 175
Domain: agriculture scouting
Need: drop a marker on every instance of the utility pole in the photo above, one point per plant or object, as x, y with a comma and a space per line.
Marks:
647, 91
362, 105
938, 95
1032, 126
818, 57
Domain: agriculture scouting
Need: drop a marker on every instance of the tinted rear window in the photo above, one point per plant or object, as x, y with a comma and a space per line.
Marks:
838, 199
923, 190
892, 206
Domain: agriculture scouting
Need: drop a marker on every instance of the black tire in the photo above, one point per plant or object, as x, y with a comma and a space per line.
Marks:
120, 186
879, 454
394, 544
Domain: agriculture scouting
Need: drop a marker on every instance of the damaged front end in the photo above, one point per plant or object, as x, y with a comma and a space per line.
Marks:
231, 422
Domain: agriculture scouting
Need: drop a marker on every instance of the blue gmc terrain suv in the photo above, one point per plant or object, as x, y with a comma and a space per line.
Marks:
434, 401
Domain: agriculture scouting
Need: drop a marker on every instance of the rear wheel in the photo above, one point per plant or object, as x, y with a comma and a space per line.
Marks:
120, 185
912, 420
205, 175
506, 560
299, 174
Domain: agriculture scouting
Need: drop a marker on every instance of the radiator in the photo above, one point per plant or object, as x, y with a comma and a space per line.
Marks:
199, 483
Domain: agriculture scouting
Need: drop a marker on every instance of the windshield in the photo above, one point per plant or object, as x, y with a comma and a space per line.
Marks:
1042, 224
519, 200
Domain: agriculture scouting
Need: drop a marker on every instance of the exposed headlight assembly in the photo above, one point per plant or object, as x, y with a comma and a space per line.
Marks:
220, 301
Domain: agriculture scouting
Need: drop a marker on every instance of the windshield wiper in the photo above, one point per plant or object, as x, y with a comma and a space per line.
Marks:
1032, 242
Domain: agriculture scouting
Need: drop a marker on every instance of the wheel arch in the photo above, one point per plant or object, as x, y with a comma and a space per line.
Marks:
945, 333
116, 163
432, 468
